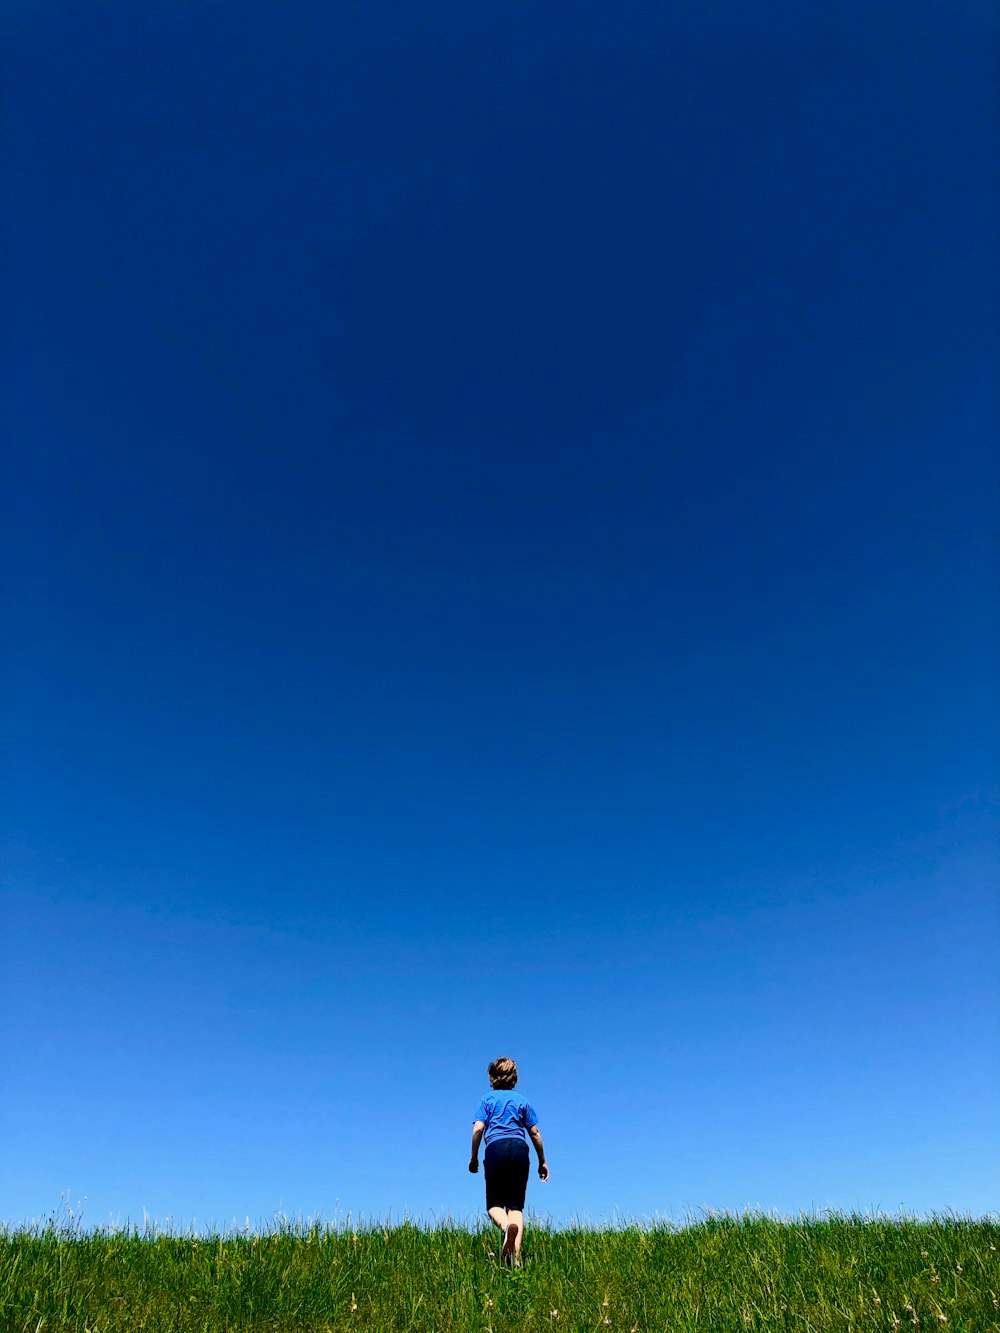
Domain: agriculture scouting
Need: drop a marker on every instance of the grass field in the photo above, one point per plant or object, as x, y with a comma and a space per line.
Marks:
718, 1274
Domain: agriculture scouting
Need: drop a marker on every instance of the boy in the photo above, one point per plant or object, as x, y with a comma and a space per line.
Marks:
504, 1115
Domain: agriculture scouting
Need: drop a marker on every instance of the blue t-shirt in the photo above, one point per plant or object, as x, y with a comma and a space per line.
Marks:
506, 1115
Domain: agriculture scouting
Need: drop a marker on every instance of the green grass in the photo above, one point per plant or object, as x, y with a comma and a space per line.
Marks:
722, 1273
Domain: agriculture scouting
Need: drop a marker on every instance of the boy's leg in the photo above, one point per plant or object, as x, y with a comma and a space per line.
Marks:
517, 1217
511, 1238
498, 1216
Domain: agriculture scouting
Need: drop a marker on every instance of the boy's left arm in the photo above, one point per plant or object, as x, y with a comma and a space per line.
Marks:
477, 1133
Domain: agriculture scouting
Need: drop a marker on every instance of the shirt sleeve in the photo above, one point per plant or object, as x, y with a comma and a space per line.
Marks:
530, 1119
482, 1113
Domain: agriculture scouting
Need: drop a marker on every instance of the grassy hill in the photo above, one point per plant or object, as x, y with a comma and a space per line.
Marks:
724, 1273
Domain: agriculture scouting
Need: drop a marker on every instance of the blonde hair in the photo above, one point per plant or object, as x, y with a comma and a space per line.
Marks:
503, 1072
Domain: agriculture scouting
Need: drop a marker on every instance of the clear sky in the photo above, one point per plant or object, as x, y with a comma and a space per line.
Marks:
499, 545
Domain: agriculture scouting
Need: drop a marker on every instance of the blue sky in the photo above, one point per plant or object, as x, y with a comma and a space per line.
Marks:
500, 551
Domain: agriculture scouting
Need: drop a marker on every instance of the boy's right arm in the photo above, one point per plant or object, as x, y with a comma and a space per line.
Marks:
536, 1139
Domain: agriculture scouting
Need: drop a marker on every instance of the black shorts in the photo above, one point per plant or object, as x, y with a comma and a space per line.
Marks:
505, 1165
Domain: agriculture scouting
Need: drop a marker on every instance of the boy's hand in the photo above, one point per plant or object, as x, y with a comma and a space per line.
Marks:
543, 1171
473, 1164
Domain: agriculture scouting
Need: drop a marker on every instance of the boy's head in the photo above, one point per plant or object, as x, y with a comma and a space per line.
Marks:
503, 1073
